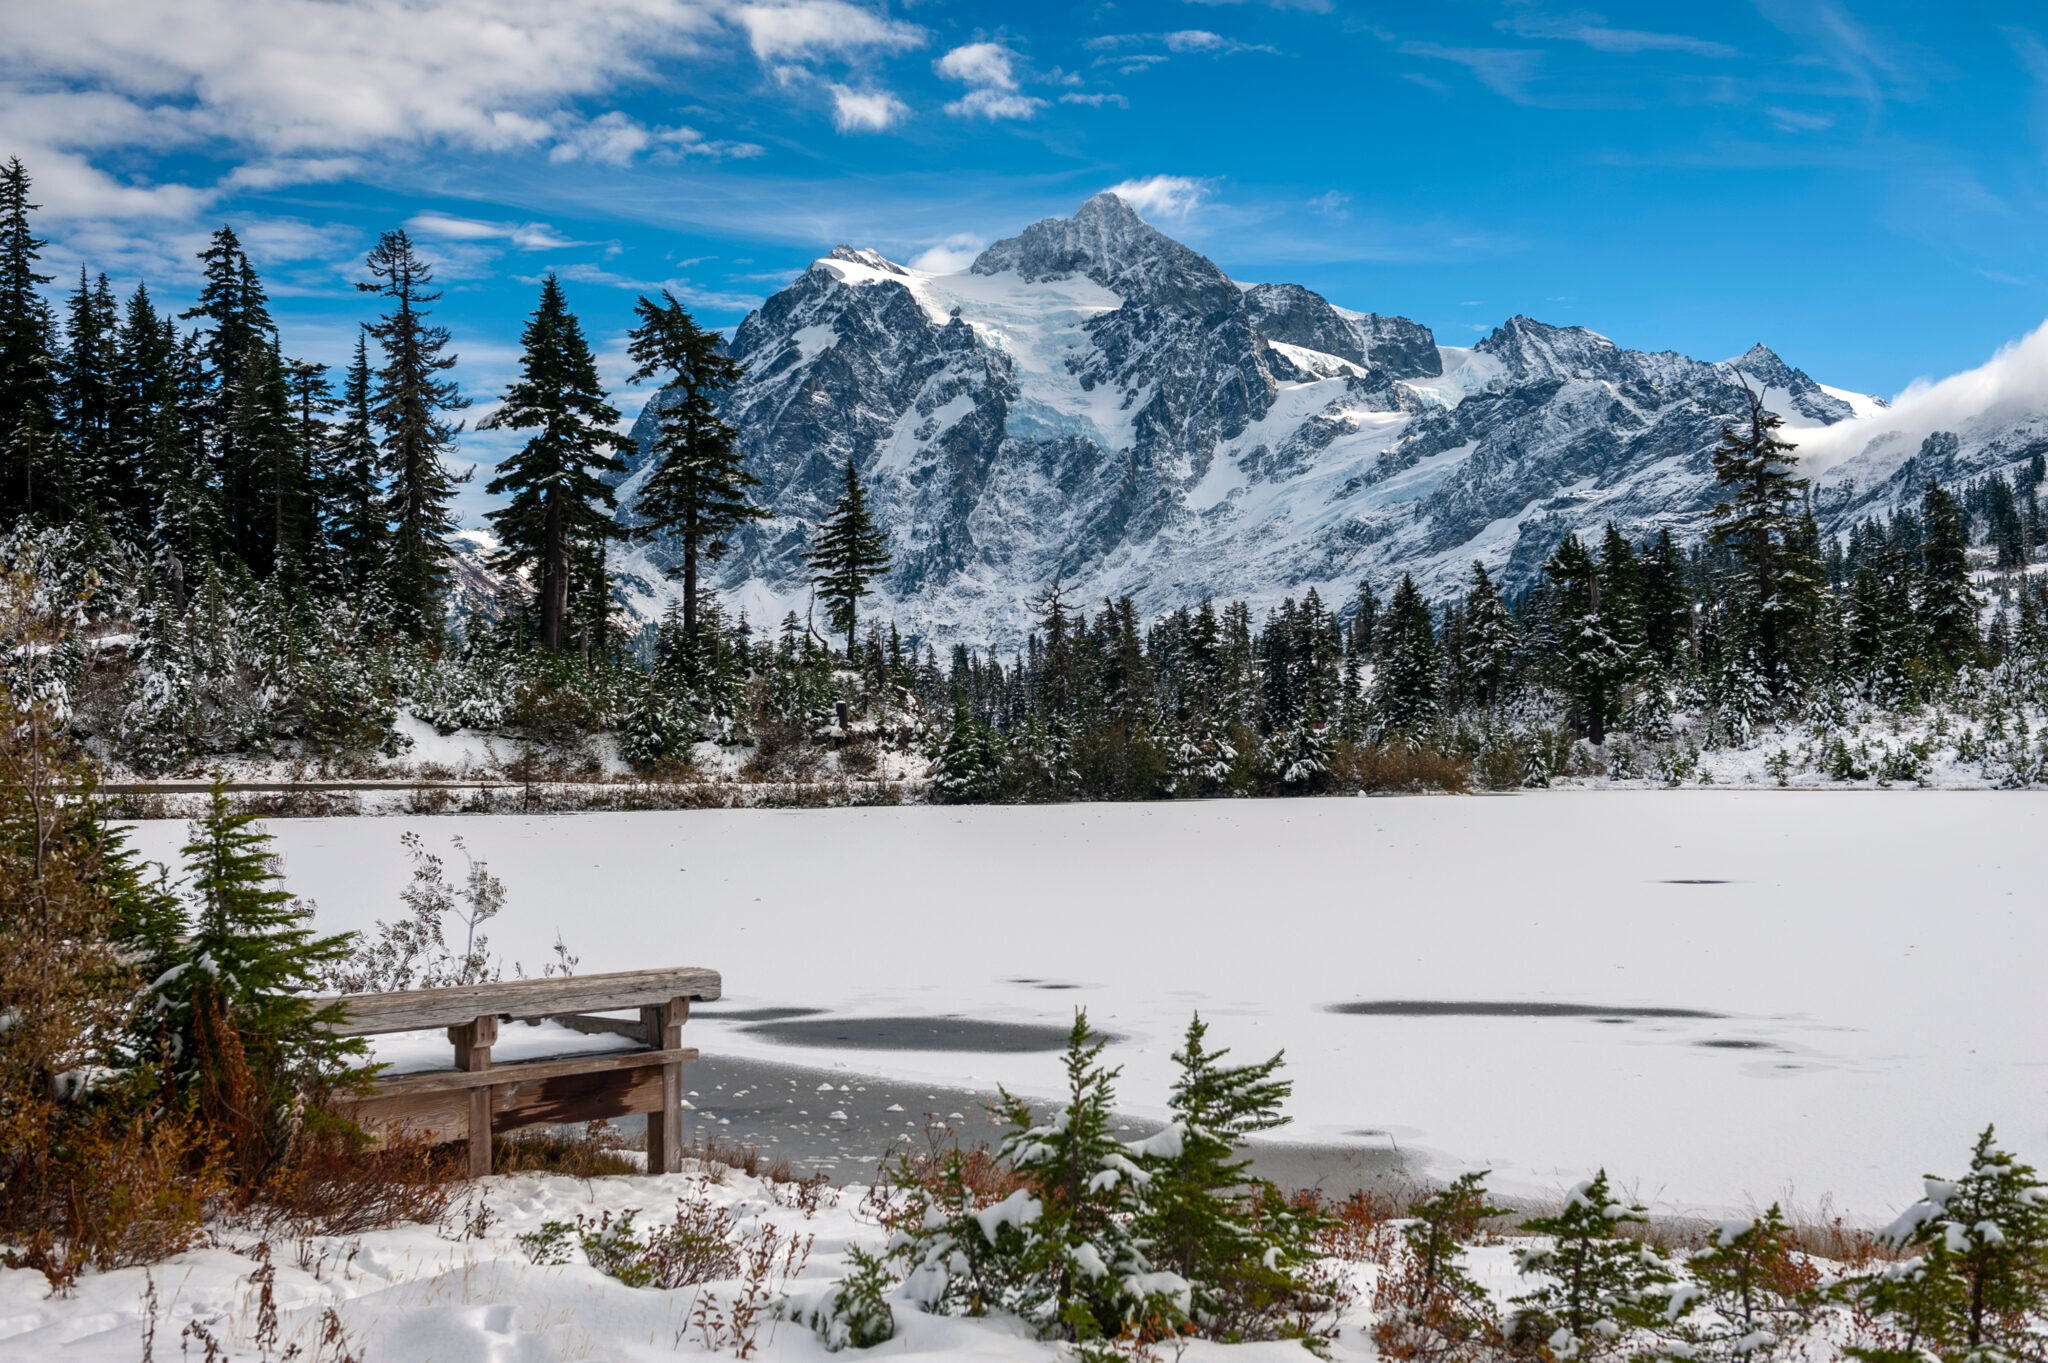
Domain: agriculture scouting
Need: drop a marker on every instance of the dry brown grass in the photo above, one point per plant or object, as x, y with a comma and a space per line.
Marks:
597, 1151
1401, 767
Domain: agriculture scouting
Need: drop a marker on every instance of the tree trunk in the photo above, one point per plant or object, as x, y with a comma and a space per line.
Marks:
554, 578
690, 584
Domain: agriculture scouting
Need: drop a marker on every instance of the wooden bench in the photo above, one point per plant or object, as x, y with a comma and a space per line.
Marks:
477, 1098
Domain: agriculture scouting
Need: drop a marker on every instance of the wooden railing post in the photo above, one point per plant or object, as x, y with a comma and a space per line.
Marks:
663, 1025
473, 1042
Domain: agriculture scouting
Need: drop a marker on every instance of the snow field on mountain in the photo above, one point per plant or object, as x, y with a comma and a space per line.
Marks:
1866, 966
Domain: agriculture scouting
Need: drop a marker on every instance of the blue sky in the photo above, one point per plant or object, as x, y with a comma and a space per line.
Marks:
1860, 185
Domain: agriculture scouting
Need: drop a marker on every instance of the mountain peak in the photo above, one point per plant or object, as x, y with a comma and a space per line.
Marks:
1108, 242
859, 255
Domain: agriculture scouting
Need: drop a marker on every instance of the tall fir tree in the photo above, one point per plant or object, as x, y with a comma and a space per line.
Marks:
409, 404
1490, 638
1406, 683
242, 407
1759, 519
849, 552
697, 492
1947, 607
86, 396
28, 371
351, 495
559, 504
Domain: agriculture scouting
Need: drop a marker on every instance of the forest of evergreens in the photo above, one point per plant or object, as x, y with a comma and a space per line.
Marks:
255, 555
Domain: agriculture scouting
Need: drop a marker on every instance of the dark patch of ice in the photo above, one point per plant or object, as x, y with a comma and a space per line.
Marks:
1730, 1043
1695, 882
917, 1034
1488, 1008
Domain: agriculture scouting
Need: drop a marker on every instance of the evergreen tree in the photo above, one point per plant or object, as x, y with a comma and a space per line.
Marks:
698, 489
86, 397
351, 498
1594, 653
558, 500
1947, 607
1435, 1310
1976, 1291
849, 553
1405, 681
1666, 602
28, 378
231, 994
964, 769
1758, 1290
408, 405
1760, 521
1595, 1285
1241, 1249
242, 406
1490, 638
1083, 1273
146, 424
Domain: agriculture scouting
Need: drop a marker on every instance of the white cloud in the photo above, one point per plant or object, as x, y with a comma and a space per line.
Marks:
804, 29
1096, 101
1162, 196
980, 64
950, 256
865, 111
993, 104
527, 236
306, 88
991, 69
2004, 389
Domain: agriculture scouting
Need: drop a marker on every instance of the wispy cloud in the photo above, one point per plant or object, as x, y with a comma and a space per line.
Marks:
526, 236
1798, 121
1594, 31
1503, 70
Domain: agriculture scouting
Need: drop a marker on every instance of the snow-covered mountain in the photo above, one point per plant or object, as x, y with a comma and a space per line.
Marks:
1093, 401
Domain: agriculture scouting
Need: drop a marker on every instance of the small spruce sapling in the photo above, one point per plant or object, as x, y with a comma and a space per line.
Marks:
1755, 1286
1433, 1310
1600, 1285
230, 999
961, 1251
1083, 1275
1978, 1288
1243, 1251
858, 1314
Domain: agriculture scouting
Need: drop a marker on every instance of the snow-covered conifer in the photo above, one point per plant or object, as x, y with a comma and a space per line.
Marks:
1594, 1286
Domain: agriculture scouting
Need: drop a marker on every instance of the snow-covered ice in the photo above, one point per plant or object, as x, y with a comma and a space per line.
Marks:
1870, 961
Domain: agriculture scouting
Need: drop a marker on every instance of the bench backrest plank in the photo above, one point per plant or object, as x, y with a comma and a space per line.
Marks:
457, 1005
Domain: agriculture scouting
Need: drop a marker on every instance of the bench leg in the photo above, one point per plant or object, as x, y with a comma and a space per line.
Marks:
479, 1132
665, 1128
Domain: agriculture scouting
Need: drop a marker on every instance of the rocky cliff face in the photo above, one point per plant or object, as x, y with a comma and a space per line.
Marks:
1095, 402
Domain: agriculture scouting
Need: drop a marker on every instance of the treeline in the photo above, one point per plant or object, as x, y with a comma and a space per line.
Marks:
263, 552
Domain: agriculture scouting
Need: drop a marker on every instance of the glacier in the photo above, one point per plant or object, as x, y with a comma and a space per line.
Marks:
1093, 402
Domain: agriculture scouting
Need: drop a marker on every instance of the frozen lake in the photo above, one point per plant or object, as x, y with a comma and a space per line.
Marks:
1724, 997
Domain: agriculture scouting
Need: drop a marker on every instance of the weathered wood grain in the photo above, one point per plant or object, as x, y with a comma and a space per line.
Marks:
441, 1081
458, 1005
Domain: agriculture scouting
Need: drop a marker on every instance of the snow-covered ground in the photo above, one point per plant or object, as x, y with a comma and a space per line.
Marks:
1872, 959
